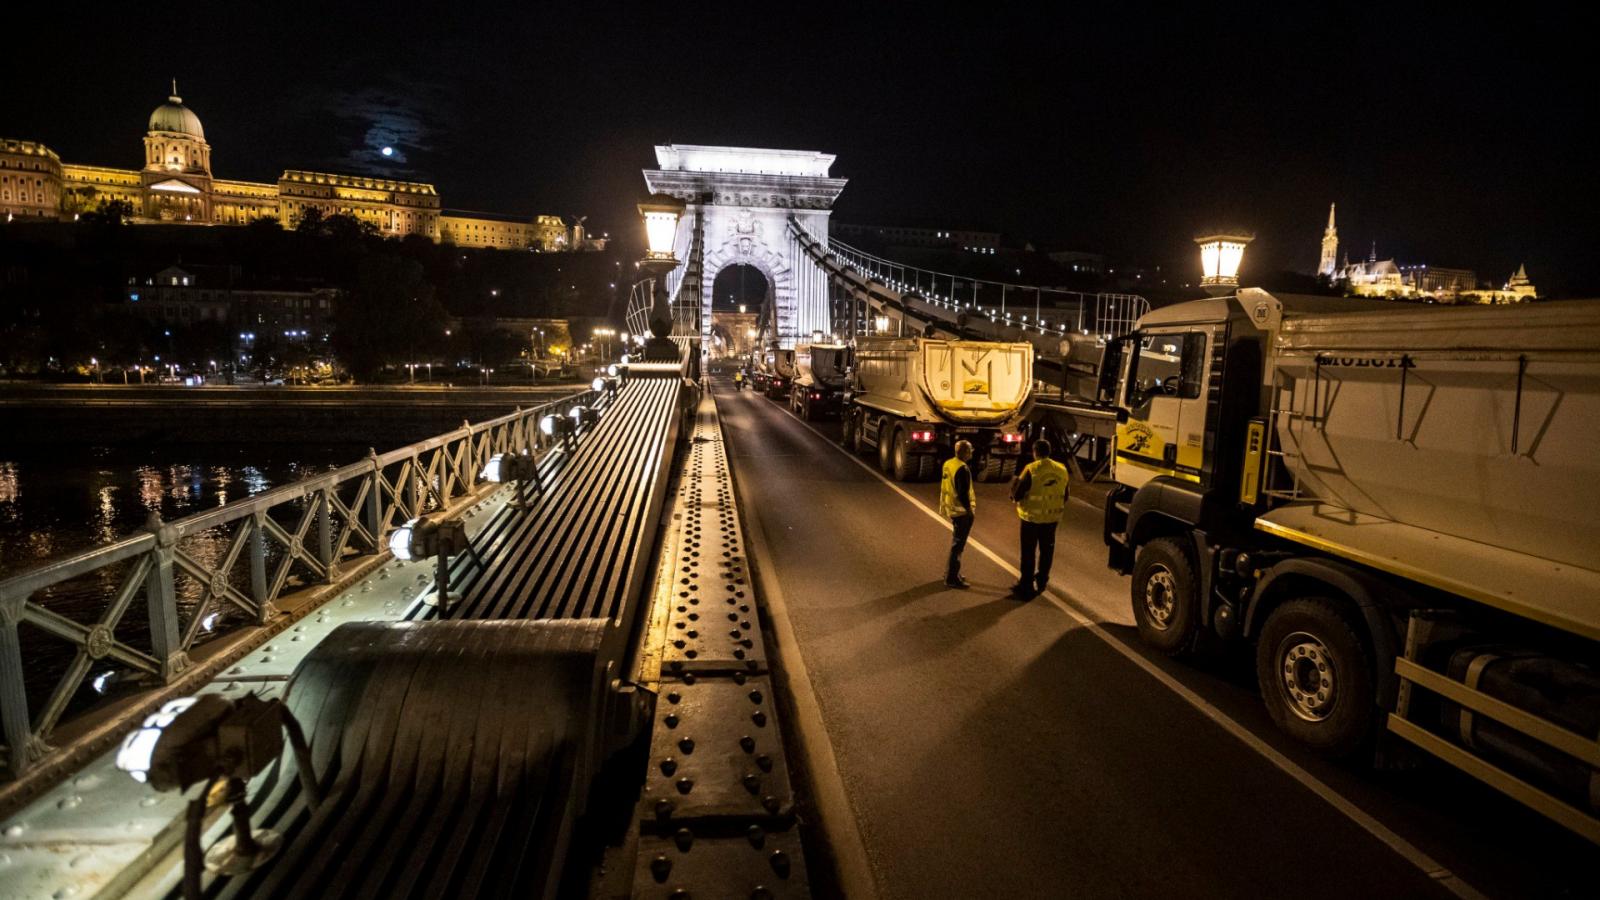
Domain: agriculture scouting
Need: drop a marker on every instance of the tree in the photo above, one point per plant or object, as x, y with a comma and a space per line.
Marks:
310, 221
389, 316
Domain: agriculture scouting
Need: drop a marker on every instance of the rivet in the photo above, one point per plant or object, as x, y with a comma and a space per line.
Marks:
685, 784
748, 744
663, 809
756, 836
738, 678
668, 766
765, 762
760, 718
686, 745
751, 782
770, 804
684, 838
760, 893
688, 678
660, 868
755, 697
674, 696
671, 720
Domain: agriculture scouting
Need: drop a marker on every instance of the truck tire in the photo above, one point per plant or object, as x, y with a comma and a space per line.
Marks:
847, 432
1315, 673
903, 464
927, 467
1166, 601
991, 469
885, 446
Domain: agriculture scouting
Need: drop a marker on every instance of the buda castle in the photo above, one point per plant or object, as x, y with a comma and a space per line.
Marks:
176, 186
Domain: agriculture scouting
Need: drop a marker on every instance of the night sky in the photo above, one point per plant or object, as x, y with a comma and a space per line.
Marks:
1447, 140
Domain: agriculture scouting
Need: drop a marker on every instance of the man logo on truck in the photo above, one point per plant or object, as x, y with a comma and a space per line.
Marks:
975, 386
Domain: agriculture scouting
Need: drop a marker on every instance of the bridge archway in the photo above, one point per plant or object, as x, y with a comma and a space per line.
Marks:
738, 203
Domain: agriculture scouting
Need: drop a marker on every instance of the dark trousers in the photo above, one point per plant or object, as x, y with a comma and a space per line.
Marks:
1038, 540
960, 527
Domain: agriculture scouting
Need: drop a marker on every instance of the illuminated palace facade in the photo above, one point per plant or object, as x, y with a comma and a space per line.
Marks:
176, 185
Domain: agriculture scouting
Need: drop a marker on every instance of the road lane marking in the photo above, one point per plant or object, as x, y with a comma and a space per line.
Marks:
839, 820
1344, 806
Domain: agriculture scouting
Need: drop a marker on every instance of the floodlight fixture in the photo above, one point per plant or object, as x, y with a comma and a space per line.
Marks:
514, 469
435, 536
211, 740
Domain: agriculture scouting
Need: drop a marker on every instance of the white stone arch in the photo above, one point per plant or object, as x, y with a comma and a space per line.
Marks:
749, 250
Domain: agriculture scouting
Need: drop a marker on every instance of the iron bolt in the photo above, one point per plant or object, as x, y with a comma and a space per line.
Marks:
668, 766
686, 745
748, 743
671, 720
780, 863
756, 836
752, 783
759, 717
684, 838
660, 868
685, 784
764, 762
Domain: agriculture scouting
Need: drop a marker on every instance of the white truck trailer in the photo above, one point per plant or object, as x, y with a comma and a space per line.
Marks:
914, 397
822, 373
1397, 506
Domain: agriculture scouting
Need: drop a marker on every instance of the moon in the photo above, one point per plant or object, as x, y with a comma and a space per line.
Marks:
387, 151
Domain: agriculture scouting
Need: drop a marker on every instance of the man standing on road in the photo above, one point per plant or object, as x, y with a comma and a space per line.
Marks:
957, 504
1040, 493
738, 380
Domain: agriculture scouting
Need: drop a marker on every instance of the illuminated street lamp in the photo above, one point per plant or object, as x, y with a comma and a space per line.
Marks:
661, 213
1220, 256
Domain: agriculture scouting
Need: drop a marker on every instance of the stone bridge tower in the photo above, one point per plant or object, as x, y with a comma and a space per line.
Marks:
741, 200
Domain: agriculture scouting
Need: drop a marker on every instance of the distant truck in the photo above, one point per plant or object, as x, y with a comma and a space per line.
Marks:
1399, 507
822, 373
773, 372
914, 397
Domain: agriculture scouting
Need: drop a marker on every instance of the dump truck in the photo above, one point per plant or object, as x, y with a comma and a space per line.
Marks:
773, 372
1395, 506
912, 398
822, 373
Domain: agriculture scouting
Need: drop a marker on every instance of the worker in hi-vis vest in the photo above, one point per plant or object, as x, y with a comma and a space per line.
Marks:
957, 503
1040, 493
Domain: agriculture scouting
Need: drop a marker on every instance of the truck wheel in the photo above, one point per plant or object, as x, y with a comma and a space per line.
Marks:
847, 432
1315, 673
990, 470
885, 447
904, 464
927, 467
1165, 599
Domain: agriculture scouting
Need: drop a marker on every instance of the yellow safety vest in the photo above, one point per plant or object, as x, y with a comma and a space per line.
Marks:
1047, 492
949, 505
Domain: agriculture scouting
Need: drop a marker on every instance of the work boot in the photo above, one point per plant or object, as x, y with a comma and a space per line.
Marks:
1022, 591
956, 581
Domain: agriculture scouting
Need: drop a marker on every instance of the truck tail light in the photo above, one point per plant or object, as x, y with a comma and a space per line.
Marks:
1011, 437
922, 436
815, 395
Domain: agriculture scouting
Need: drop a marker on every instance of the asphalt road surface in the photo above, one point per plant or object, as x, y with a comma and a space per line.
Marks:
990, 748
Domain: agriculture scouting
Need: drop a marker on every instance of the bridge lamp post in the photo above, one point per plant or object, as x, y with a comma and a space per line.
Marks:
1220, 256
661, 213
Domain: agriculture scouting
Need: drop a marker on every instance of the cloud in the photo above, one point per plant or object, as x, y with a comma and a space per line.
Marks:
404, 115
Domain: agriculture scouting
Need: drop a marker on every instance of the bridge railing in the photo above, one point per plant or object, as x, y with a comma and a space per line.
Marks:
1046, 310
156, 596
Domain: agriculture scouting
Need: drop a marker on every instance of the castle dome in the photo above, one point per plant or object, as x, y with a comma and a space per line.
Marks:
174, 116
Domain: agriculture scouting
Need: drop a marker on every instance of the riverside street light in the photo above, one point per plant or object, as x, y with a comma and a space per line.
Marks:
1220, 256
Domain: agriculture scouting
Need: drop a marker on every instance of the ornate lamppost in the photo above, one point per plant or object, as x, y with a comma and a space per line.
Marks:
661, 213
1220, 256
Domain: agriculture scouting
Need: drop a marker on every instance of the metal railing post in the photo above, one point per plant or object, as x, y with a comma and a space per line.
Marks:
23, 746
258, 567
374, 510
470, 477
330, 571
162, 598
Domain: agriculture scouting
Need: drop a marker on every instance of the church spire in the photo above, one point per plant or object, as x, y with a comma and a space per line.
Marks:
1326, 265
174, 95
1331, 206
